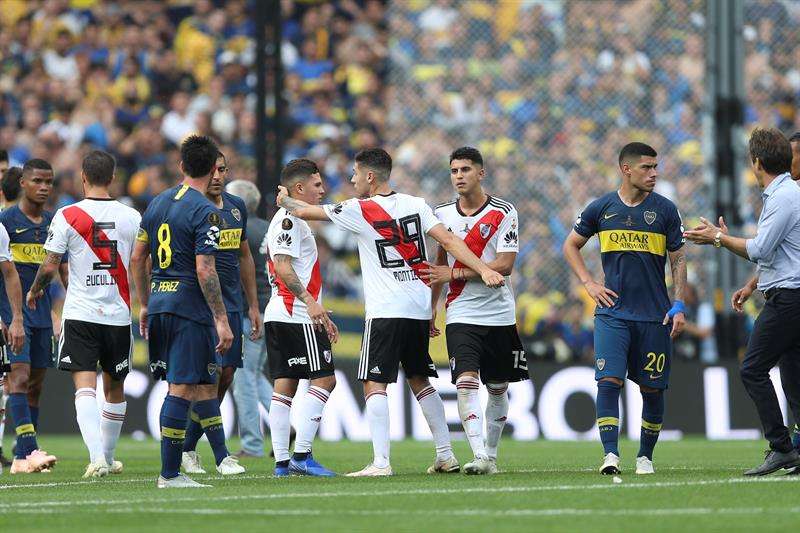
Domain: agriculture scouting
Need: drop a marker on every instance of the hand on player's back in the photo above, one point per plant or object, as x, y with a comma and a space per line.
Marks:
493, 279
601, 295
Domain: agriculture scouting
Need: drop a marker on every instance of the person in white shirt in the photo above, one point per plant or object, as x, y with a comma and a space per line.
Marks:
298, 330
98, 233
390, 228
482, 338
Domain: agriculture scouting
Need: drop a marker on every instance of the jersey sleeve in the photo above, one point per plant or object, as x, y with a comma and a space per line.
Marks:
243, 209
588, 221
347, 215
508, 233
427, 218
285, 241
57, 235
5, 244
675, 238
206, 233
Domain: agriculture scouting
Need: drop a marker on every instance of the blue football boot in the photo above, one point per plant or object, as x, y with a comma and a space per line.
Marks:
282, 471
309, 467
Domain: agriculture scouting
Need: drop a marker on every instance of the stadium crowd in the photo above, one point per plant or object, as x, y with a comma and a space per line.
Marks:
548, 91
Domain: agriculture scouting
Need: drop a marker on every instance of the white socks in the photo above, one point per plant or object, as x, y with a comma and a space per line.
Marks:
88, 416
310, 415
111, 420
496, 414
432, 407
469, 409
280, 425
378, 419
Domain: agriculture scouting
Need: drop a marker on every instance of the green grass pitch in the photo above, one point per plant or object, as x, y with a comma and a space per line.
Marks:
547, 486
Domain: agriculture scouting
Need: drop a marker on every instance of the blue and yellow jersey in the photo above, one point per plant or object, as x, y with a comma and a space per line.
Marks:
179, 224
634, 242
231, 235
27, 251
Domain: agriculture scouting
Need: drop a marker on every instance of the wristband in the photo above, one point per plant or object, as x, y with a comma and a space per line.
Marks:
677, 307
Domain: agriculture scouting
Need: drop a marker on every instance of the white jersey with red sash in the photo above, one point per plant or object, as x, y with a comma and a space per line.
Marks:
98, 234
489, 231
390, 231
292, 236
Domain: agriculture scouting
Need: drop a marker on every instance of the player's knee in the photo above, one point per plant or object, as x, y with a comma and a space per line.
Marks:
615, 381
648, 390
187, 392
328, 382
18, 382
416, 382
750, 374
114, 391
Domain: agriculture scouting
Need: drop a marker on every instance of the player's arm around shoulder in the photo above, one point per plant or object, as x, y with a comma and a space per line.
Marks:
299, 208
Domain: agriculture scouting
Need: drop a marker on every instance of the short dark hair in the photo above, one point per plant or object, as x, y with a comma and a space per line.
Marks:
3, 155
198, 155
98, 166
635, 150
35, 164
469, 153
772, 149
10, 185
793, 139
377, 160
297, 170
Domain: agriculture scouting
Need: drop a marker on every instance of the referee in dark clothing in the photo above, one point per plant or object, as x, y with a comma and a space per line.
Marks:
776, 250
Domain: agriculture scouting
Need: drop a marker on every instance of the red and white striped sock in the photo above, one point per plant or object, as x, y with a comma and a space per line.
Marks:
469, 409
111, 420
280, 425
310, 416
432, 407
496, 414
88, 416
378, 420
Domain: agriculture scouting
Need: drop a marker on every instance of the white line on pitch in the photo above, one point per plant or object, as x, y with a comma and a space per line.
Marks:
208, 497
517, 513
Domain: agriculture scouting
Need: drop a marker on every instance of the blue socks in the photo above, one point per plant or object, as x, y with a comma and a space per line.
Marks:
34, 416
211, 422
193, 430
173, 421
26, 432
652, 419
608, 415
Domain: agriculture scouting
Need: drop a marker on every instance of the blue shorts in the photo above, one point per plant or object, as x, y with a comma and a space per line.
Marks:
38, 350
181, 350
642, 350
234, 356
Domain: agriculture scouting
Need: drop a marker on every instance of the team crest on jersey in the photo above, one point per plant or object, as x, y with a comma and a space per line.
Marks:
236, 214
327, 355
214, 219
36, 234
601, 364
485, 230
286, 224
628, 221
212, 369
649, 216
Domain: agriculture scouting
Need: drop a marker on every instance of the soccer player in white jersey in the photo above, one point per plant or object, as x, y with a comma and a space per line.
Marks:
98, 233
390, 228
299, 331
482, 338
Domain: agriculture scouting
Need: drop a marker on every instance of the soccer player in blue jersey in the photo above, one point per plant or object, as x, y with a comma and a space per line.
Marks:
184, 308
27, 225
637, 229
235, 268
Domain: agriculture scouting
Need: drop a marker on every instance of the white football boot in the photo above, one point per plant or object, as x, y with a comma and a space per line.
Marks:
98, 468
447, 466
644, 466
181, 481
480, 466
190, 462
610, 465
372, 471
230, 467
